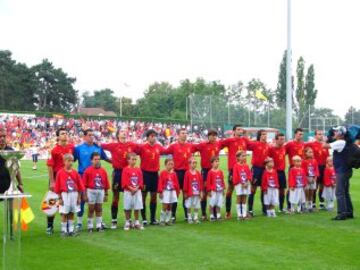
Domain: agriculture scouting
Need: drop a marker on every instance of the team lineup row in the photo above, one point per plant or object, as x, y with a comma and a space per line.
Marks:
310, 170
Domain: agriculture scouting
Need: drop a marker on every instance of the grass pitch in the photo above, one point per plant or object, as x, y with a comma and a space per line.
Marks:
307, 241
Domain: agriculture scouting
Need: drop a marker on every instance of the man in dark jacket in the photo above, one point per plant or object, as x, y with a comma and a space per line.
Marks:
341, 148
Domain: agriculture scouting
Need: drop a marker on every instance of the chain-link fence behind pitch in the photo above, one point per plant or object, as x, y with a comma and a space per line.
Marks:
214, 112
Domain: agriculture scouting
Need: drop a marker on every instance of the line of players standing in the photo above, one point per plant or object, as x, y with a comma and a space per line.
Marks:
181, 151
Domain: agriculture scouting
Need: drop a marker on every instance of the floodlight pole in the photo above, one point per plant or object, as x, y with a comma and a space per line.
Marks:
288, 76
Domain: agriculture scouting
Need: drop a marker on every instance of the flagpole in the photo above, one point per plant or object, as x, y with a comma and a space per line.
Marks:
288, 76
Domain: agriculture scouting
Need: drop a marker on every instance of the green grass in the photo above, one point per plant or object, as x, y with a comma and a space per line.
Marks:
287, 242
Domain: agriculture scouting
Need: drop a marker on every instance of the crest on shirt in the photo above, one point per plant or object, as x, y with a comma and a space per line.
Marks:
243, 176
299, 180
218, 184
195, 187
98, 182
271, 181
169, 185
134, 180
70, 184
311, 171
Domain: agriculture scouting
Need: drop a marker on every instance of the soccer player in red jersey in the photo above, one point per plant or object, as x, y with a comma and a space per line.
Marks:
297, 184
329, 184
295, 148
215, 186
241, 180
181, 152
260, 151
234, 144
270, 187
207, 150
97, 185
132, 183
193, 189
68, 186
119, 151
168, 190
278, 154
150, 165
55, 164
310, 167
320, 154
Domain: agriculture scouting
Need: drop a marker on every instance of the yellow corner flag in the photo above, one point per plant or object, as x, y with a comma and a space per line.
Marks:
260, 95
26, 214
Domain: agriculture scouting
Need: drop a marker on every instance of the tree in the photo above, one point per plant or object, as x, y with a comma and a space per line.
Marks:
54, 88
280, 92
310, 91
158, 100
234, 93
101, 99
16, 82
128, 108
352, 116
300, 89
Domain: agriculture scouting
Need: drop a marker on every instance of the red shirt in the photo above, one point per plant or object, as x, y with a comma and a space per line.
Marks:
132, 177
168, 181
150, 156
260, 152
241, 174
310, 167
269, 180
68, 182
294, 148
57, 155
207, 150
96, 178
193, 183
215, 181
234, 145
329, 177
297, 178
278, 155
50, 162
181, 153
118, 152
320, 153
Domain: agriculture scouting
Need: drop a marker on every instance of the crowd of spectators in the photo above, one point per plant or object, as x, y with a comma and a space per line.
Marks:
37, 134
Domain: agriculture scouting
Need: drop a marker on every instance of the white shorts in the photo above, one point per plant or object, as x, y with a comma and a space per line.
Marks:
193, 202
328, 194
216, 199
133, 202
297, 196
69, 203
311, 183
241, 190
95, 196
271, 197
169, 196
